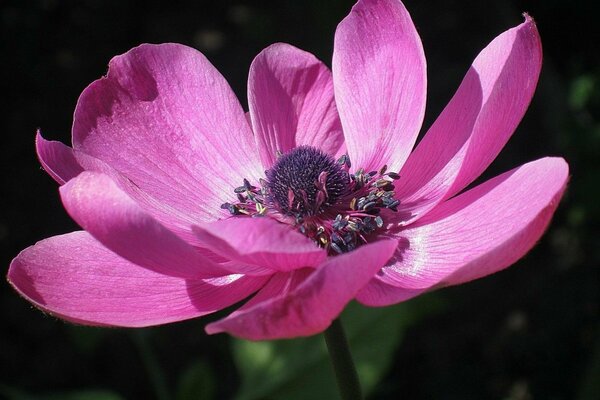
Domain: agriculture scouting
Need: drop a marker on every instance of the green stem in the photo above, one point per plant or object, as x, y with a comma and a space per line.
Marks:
341, 359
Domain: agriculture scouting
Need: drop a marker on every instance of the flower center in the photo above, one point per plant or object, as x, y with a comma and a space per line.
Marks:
306, 181
309, 190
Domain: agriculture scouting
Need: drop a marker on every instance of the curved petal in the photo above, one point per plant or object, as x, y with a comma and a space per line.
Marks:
307, 308
378, 294
477, 122
74, 277
380, 83
479, 232
167, 120
176, 220
290, 97
280, 284
57, 159
260, 241
114, 219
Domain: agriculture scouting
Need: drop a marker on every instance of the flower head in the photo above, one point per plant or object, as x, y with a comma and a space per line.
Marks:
314, 198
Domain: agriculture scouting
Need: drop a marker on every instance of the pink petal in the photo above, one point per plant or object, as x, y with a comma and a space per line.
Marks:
280, 284
57, 159
176, 220
380, 83
260, 241
378, 293
477, 122
74, 277
290, 96
166, 119
307, 308
60, 162
114, 219
477, 233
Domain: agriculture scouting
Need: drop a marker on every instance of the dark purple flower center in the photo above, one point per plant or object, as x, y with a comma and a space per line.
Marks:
305, 181
310, 190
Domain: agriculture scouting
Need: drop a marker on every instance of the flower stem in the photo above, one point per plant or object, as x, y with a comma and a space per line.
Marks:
341, 359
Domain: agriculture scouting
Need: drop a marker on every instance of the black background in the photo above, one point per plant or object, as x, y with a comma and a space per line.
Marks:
530, 332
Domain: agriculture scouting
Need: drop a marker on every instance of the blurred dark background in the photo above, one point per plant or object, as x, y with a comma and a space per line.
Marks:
530, 332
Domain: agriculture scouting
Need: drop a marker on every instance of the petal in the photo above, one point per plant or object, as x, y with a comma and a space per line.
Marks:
166, 119
114, 219
176, 220
280, 284
74, 277
307, 308
60, 162
378, 293
479, 232
290, 96
380, 83
57, 159
260, 241
477, 122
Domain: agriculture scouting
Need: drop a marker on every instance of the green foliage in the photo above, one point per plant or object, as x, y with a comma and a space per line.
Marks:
582, 89
197, 382
300, 369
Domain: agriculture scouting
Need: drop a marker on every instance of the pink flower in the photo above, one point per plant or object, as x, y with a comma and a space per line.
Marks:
167, 178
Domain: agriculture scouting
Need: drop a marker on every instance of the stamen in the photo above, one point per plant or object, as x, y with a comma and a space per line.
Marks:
311, 191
